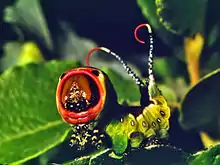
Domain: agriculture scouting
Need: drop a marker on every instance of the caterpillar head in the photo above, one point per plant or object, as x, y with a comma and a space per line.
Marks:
82, 94
86, 100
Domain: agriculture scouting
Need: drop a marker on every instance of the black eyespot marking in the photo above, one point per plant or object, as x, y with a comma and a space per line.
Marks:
158, 120
162, 113
62, 75
95, 72
153, 124
144, 124
132, 123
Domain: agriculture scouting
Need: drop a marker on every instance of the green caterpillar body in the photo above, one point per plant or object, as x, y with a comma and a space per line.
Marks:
86, 99
153, 121
124, 125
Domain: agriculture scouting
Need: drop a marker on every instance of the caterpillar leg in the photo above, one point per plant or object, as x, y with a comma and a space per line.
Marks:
122, 131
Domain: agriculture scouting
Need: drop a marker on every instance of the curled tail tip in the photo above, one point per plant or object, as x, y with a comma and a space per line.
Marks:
138, 27
142, 25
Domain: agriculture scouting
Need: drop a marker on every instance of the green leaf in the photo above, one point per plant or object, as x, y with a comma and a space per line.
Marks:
104, 158
100, 157
212, 24
182, 16
178, 86
169, 155
71, 46
157, 155
18, 53
29, 16
123, 87
149, 10
11, 55
207, 157
213, 36
30, 53
84, 160
200, 107
29, 121
164, 68
44, 159
169, 82
169, 94
211, 64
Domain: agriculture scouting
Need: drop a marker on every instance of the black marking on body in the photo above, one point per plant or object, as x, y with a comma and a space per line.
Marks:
132, 123
158, 120
62, 75
162, 113
95, 72
144, 124
153, 124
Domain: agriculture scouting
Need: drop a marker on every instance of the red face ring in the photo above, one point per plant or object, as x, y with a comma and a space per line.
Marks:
81, 95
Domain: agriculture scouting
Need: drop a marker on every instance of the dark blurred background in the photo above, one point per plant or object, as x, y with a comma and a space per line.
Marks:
108, 23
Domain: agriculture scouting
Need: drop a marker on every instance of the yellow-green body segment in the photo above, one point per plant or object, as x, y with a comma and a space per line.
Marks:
152, 122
